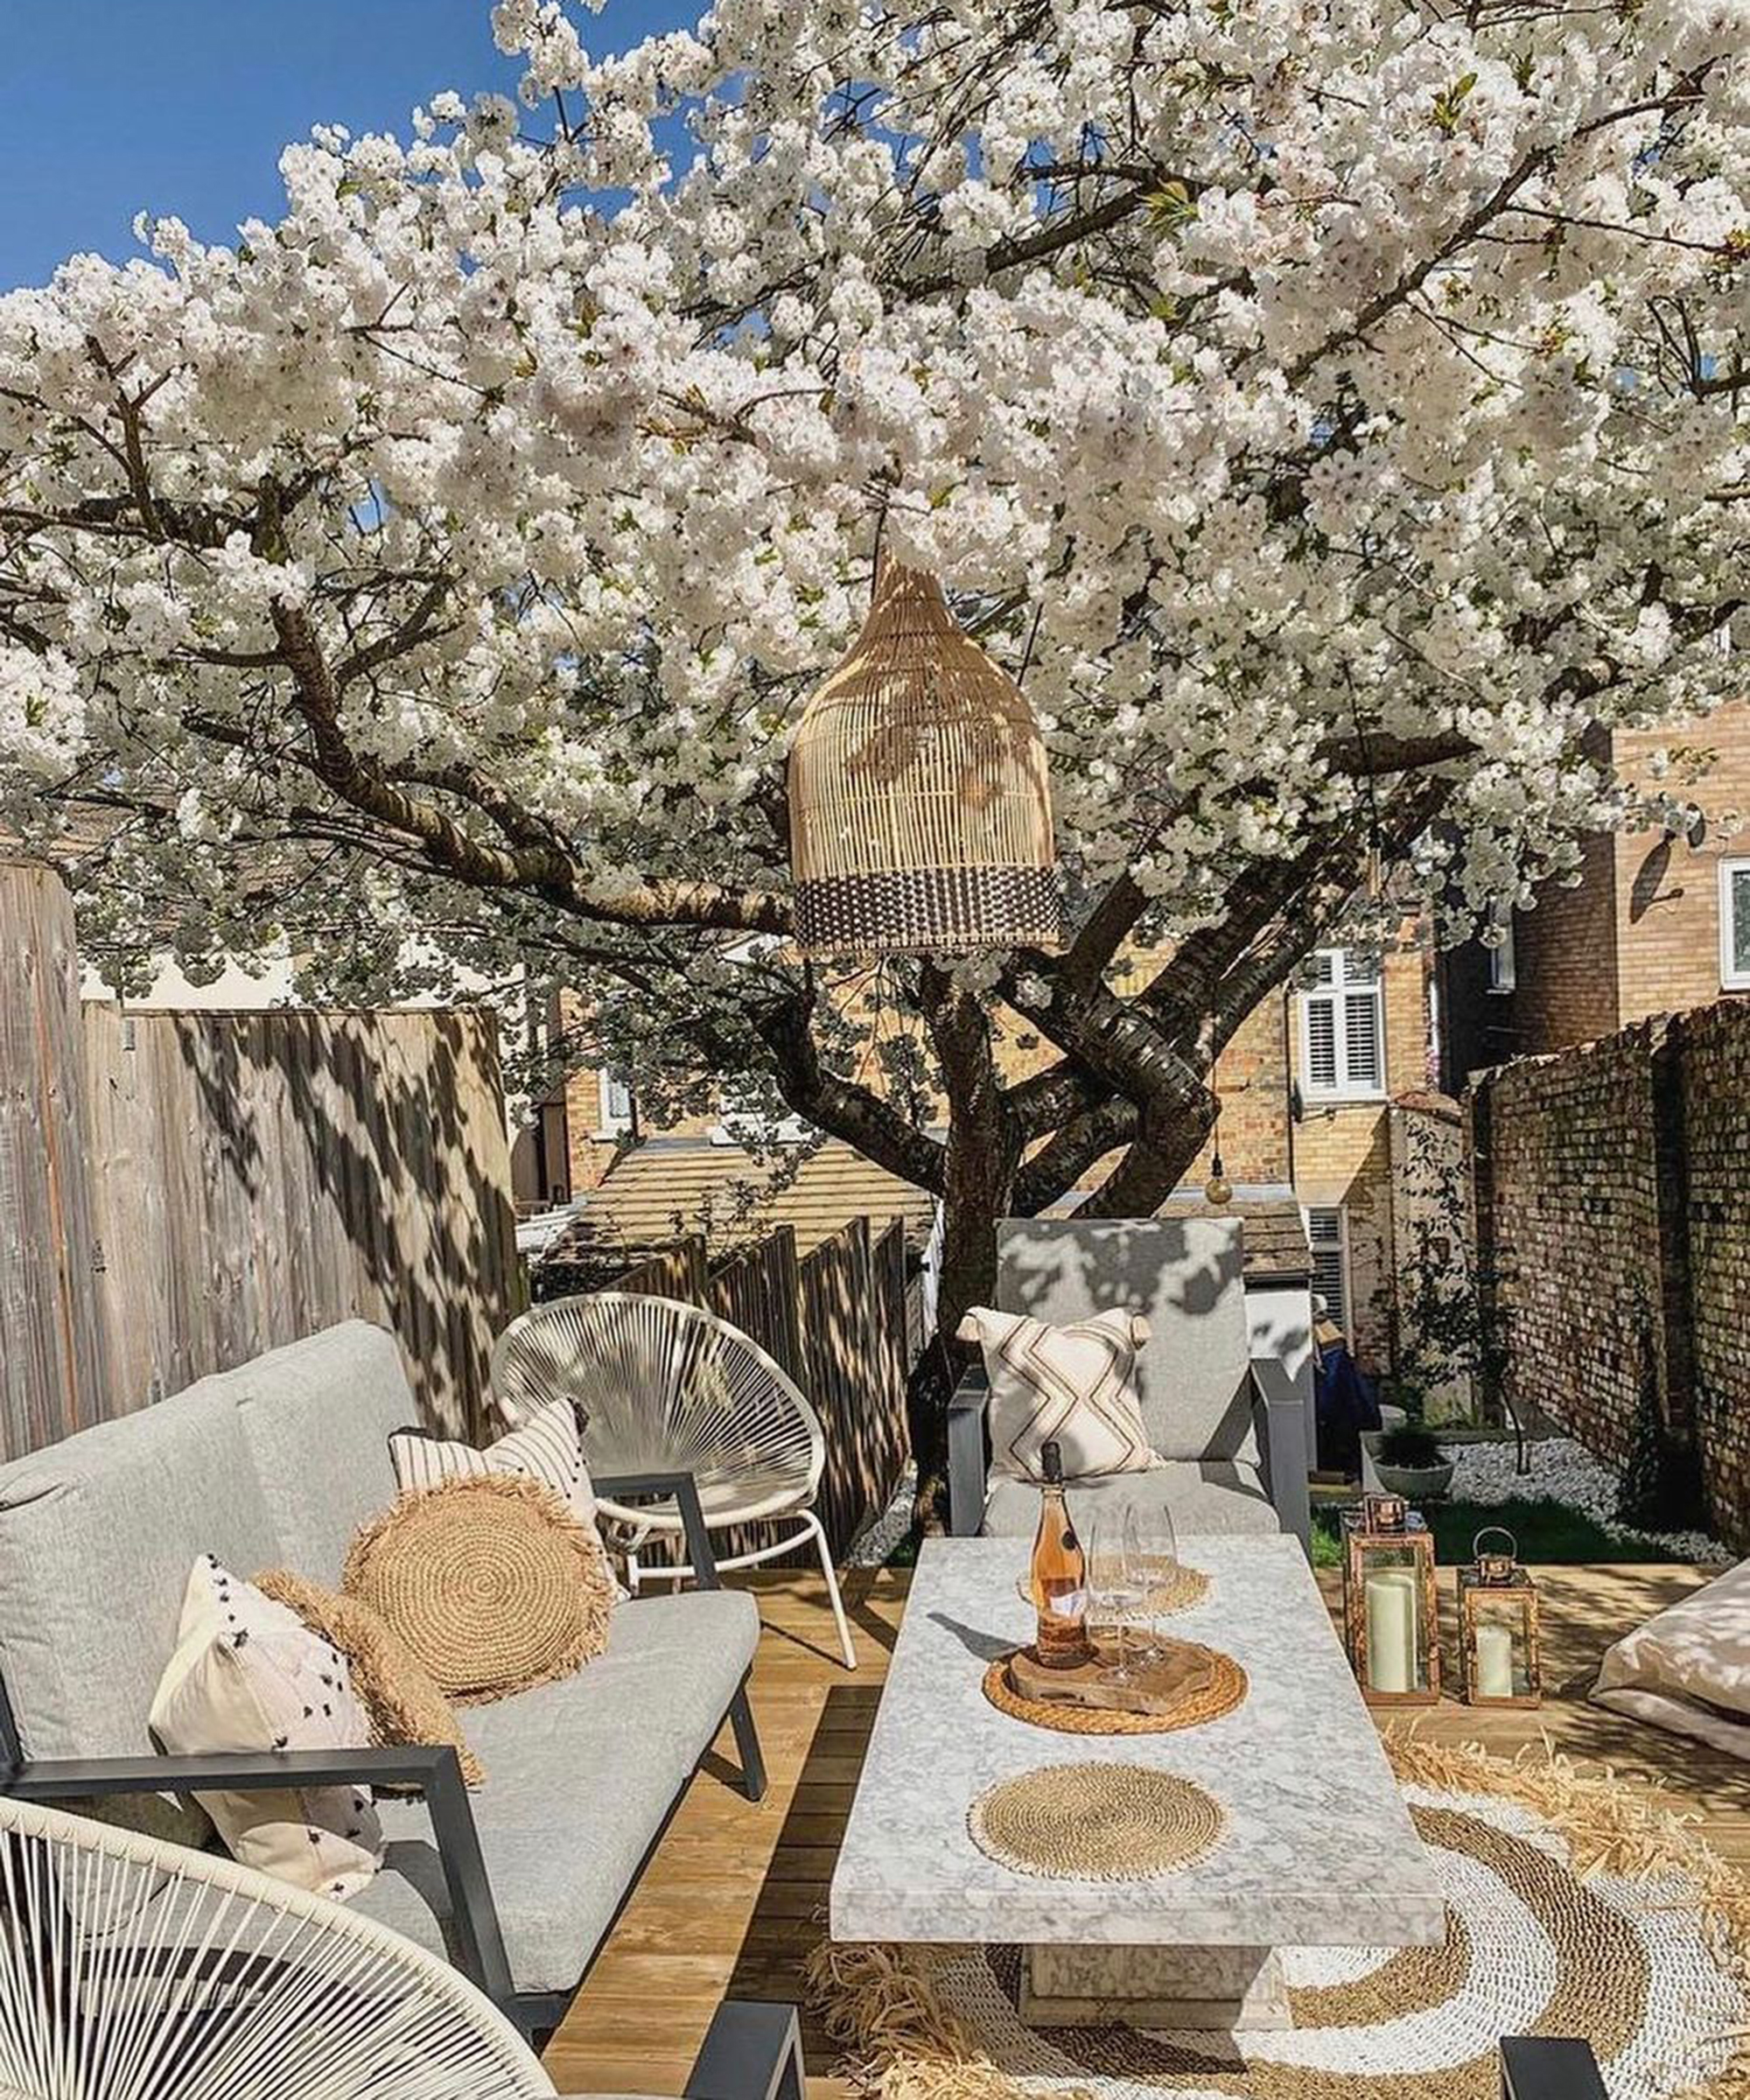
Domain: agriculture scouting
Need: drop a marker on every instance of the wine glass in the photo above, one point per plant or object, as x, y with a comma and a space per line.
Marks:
1116, 1580
1159, 1552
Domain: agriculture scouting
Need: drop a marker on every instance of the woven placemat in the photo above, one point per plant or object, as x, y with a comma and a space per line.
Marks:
1095, 1822
1175, 1588
1227, 1689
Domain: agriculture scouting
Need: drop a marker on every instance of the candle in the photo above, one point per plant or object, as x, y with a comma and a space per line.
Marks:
1495, 1659
1391, 1643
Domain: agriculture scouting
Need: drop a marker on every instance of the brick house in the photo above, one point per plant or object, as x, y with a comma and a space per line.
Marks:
1656, 924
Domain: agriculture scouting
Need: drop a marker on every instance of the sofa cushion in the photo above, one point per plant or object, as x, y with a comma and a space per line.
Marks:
97, 1534
316, 1418
1218, 1496
581, 1775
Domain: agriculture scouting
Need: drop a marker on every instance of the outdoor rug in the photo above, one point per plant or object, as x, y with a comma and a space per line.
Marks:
1576, 1906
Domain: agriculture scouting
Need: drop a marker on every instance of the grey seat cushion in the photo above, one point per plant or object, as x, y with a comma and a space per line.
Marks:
580, 1775
1208, 1495
316, 1417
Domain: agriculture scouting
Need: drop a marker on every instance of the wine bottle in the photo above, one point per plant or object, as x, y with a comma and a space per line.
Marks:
1059, 1574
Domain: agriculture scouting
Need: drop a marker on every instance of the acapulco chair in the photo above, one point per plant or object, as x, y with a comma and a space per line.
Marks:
134, 1969
668, 1388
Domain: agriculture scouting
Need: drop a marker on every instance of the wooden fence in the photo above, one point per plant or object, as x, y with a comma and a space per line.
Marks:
180, 1191
838, 1321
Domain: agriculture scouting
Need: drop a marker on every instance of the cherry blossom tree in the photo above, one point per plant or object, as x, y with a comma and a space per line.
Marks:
1341, 407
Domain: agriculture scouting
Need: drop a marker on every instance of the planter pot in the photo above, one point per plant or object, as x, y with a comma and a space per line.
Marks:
1416, 1484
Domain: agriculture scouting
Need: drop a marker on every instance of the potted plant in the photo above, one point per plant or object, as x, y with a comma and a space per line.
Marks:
1409, 1461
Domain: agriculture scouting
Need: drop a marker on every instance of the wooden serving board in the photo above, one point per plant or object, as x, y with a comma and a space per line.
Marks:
1173, 1673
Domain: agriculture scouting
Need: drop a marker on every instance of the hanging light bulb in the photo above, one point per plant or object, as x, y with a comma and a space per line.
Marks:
1217, 1190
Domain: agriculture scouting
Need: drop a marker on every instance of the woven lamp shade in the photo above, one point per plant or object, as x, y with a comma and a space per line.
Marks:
920, 797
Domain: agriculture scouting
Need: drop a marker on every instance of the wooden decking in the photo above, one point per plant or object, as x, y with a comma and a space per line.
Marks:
736, 1895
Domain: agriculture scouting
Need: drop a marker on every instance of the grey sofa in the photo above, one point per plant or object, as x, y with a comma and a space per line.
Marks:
277, 1464
1228, 1412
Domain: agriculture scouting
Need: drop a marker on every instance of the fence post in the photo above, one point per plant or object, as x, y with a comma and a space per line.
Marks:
51, 1363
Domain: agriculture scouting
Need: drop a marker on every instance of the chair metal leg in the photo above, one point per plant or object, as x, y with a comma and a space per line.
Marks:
748, 1745
846, 1649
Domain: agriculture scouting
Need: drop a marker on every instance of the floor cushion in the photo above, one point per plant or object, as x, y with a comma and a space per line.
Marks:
1688, 1668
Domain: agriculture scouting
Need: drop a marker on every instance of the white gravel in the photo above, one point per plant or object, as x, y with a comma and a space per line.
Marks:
1563, 1471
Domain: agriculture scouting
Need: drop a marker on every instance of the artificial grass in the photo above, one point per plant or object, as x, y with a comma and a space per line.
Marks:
1548, 1532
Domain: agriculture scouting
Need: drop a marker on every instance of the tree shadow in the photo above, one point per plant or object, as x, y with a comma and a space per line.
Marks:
358, 1158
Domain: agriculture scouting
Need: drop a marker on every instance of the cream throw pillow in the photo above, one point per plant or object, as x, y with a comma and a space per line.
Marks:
248, 1676
548, 1448
1688, 1669
1077, 1384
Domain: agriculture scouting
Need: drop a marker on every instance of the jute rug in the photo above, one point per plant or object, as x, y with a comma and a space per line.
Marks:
1575, 1906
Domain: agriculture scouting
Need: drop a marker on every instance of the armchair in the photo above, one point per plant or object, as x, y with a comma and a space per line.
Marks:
1226, 1413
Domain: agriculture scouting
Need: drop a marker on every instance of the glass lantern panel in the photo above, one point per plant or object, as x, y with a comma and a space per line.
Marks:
1391, 1613
1501, 1652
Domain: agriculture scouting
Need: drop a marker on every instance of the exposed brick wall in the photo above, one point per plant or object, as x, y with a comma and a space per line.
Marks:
1572, 1190
1667, 891
1612, 1192
1565, 952
1715, 1117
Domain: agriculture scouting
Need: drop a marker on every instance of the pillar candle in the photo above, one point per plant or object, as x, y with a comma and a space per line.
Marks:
1495, 1659
1391, 1629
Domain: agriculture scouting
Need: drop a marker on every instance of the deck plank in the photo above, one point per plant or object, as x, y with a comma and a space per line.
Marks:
737, 1893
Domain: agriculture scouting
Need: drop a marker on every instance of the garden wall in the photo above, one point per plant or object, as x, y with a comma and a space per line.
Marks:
1612, 1186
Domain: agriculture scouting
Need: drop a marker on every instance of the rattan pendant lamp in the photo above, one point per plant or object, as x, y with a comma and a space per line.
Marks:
919, 797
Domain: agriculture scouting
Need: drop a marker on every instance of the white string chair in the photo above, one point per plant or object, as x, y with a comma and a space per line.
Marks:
134, 1969
668, 1388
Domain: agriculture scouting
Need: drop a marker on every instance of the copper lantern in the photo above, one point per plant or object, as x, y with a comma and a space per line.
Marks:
1391, 1605
1500, 1663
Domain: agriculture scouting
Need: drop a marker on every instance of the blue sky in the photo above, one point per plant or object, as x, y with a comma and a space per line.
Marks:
181, 106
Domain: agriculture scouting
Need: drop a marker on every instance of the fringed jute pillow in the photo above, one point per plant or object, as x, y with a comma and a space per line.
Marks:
399, 1696
492, 1583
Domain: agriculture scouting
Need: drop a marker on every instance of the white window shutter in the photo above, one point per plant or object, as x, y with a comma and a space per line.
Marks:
1364, 1067
1321, 1042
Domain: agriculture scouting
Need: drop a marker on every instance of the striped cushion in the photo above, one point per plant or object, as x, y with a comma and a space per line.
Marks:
549, 1448
1075, 1384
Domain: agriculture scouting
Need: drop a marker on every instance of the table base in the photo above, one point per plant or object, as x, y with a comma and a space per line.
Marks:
1227, 1989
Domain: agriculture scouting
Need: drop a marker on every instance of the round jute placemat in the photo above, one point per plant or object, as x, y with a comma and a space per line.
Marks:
1095, 1822
1577, 1903
1226, 1690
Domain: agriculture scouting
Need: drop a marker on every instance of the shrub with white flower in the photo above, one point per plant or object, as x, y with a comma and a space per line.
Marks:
1355, 396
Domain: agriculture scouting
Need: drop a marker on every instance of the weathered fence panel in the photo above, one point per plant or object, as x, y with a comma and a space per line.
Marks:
51, 1363
760, 1291
851, 1332
215, 1184
676, 1271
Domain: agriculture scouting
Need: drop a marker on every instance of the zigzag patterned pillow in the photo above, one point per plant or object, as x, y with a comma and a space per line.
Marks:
1076, 1384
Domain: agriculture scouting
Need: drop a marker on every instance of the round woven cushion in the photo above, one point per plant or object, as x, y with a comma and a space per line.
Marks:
492, 1582
399, 1695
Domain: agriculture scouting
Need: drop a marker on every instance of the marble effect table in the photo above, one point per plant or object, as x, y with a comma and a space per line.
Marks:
1319, 1848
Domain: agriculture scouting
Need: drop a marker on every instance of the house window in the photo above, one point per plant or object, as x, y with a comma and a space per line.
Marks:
1502, 969
1329, 1243
613, 1097
1735, 924
1342, 1026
